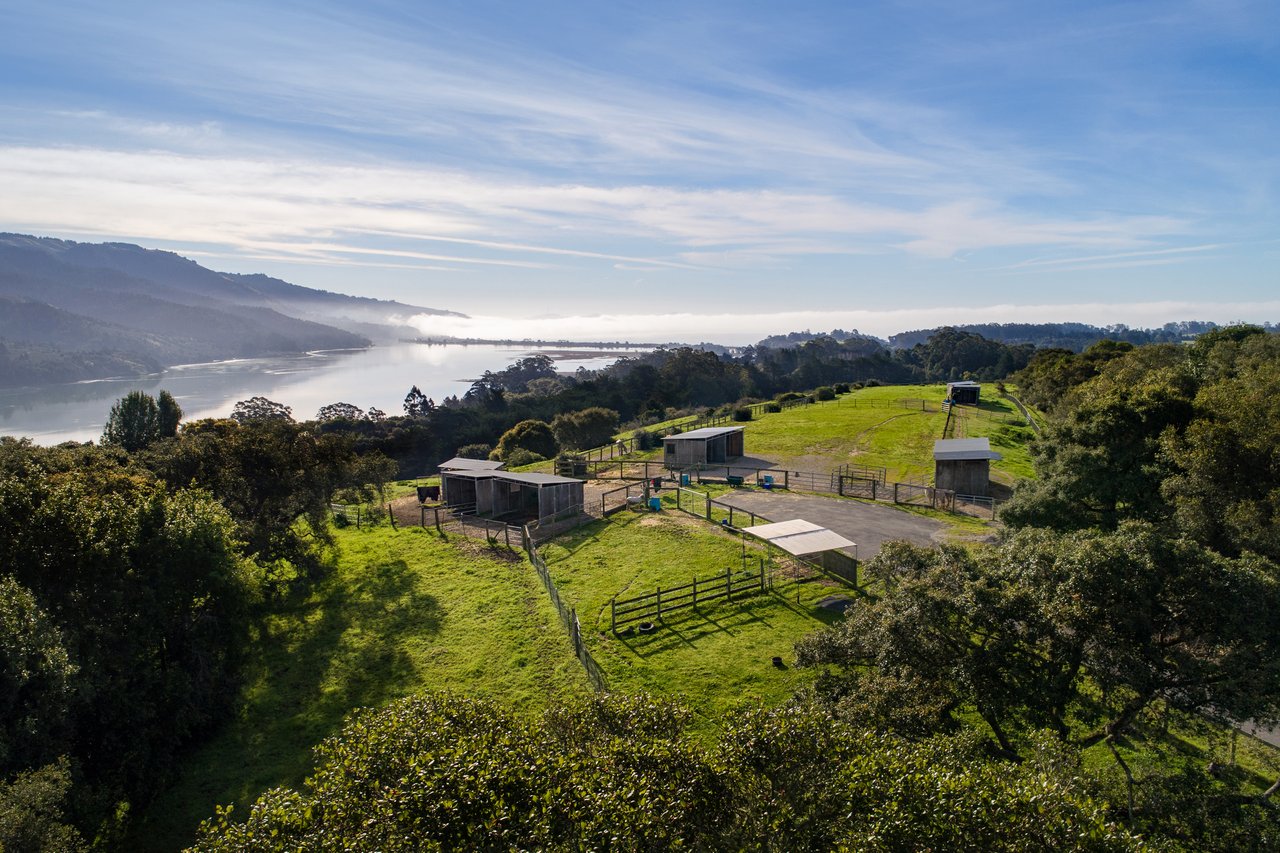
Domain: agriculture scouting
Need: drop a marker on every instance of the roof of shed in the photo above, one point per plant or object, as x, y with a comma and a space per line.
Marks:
457, 463
705, 432
535, 479
959, 449
470, 475
964, 383
799, 537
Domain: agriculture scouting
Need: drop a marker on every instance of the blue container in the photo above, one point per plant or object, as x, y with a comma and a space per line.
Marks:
768, 480
655, 504
684, 479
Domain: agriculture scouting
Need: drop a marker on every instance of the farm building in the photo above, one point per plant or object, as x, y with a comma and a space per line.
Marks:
457, 463
706, 446
963, 393
506, 494
963, 465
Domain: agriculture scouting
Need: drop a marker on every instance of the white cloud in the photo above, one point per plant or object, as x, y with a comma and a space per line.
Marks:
318, 209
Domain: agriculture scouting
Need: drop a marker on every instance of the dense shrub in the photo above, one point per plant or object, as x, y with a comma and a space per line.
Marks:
532, 435
826, 392
437, 772
585, 429
788, 396
773, 408
474, 451
842, 387
742, 414
645, 440
520, 456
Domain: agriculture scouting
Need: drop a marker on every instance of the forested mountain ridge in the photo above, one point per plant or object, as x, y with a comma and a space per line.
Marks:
82, 311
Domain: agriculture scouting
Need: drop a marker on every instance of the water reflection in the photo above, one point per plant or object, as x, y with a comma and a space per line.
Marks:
379, 377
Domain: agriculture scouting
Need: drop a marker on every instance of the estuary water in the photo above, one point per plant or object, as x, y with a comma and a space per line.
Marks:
376, 377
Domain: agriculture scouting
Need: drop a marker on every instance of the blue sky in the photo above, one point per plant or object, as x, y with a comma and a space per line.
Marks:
718, 168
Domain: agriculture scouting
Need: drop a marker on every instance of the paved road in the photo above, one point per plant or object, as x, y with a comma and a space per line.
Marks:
867, 524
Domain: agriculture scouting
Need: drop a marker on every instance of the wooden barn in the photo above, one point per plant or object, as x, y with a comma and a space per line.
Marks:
507, 495
963, 465
963, 393
706, 446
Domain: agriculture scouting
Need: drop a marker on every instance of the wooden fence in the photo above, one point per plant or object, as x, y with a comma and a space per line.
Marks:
705, 506
569, 619
650, 607
622, 497
494, 532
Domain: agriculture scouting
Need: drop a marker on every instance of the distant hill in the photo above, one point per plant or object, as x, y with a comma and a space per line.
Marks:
1072, 336
72, 311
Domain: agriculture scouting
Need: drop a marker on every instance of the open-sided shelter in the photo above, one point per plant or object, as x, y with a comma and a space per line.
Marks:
458, 479
963, 393
706, 446
802, 538
963, 465
509, 495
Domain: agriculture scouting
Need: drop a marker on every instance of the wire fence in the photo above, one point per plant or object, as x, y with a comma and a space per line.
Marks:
568, 618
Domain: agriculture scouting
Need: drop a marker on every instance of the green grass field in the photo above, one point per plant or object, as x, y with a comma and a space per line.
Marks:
712, 657
401, 611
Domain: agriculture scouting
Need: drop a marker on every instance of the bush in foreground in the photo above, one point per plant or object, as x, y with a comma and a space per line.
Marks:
439, 772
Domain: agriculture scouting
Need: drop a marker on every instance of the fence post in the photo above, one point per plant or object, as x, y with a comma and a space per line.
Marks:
895, 492
659, 603
708, 497
392, 516
422, 516
728, 583
506, 533
695, 591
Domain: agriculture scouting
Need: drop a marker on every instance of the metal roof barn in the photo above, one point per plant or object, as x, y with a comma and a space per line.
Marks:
457, 463
963, 465
706, 446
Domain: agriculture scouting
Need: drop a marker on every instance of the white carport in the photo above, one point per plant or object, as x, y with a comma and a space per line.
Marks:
799, 537
802, 538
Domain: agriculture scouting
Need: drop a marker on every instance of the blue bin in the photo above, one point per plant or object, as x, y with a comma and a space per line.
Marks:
655, 504
684, 479
768, 480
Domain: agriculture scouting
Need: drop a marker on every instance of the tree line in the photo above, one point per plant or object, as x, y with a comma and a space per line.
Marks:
644, 389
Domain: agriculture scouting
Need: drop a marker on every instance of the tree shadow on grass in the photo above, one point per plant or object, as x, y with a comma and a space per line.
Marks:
697, 624
313, 660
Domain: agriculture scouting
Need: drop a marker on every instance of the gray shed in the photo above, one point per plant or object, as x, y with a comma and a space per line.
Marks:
963, 465
963, 393
706, 446
506, 494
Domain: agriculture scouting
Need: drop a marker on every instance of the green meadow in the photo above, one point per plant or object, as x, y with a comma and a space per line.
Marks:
399, 611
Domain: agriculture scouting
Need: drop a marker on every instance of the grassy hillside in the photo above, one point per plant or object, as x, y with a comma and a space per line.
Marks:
401, 611
886, 426
714, 656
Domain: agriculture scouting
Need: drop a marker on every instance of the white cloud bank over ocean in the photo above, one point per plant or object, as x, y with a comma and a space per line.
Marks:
738, 329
